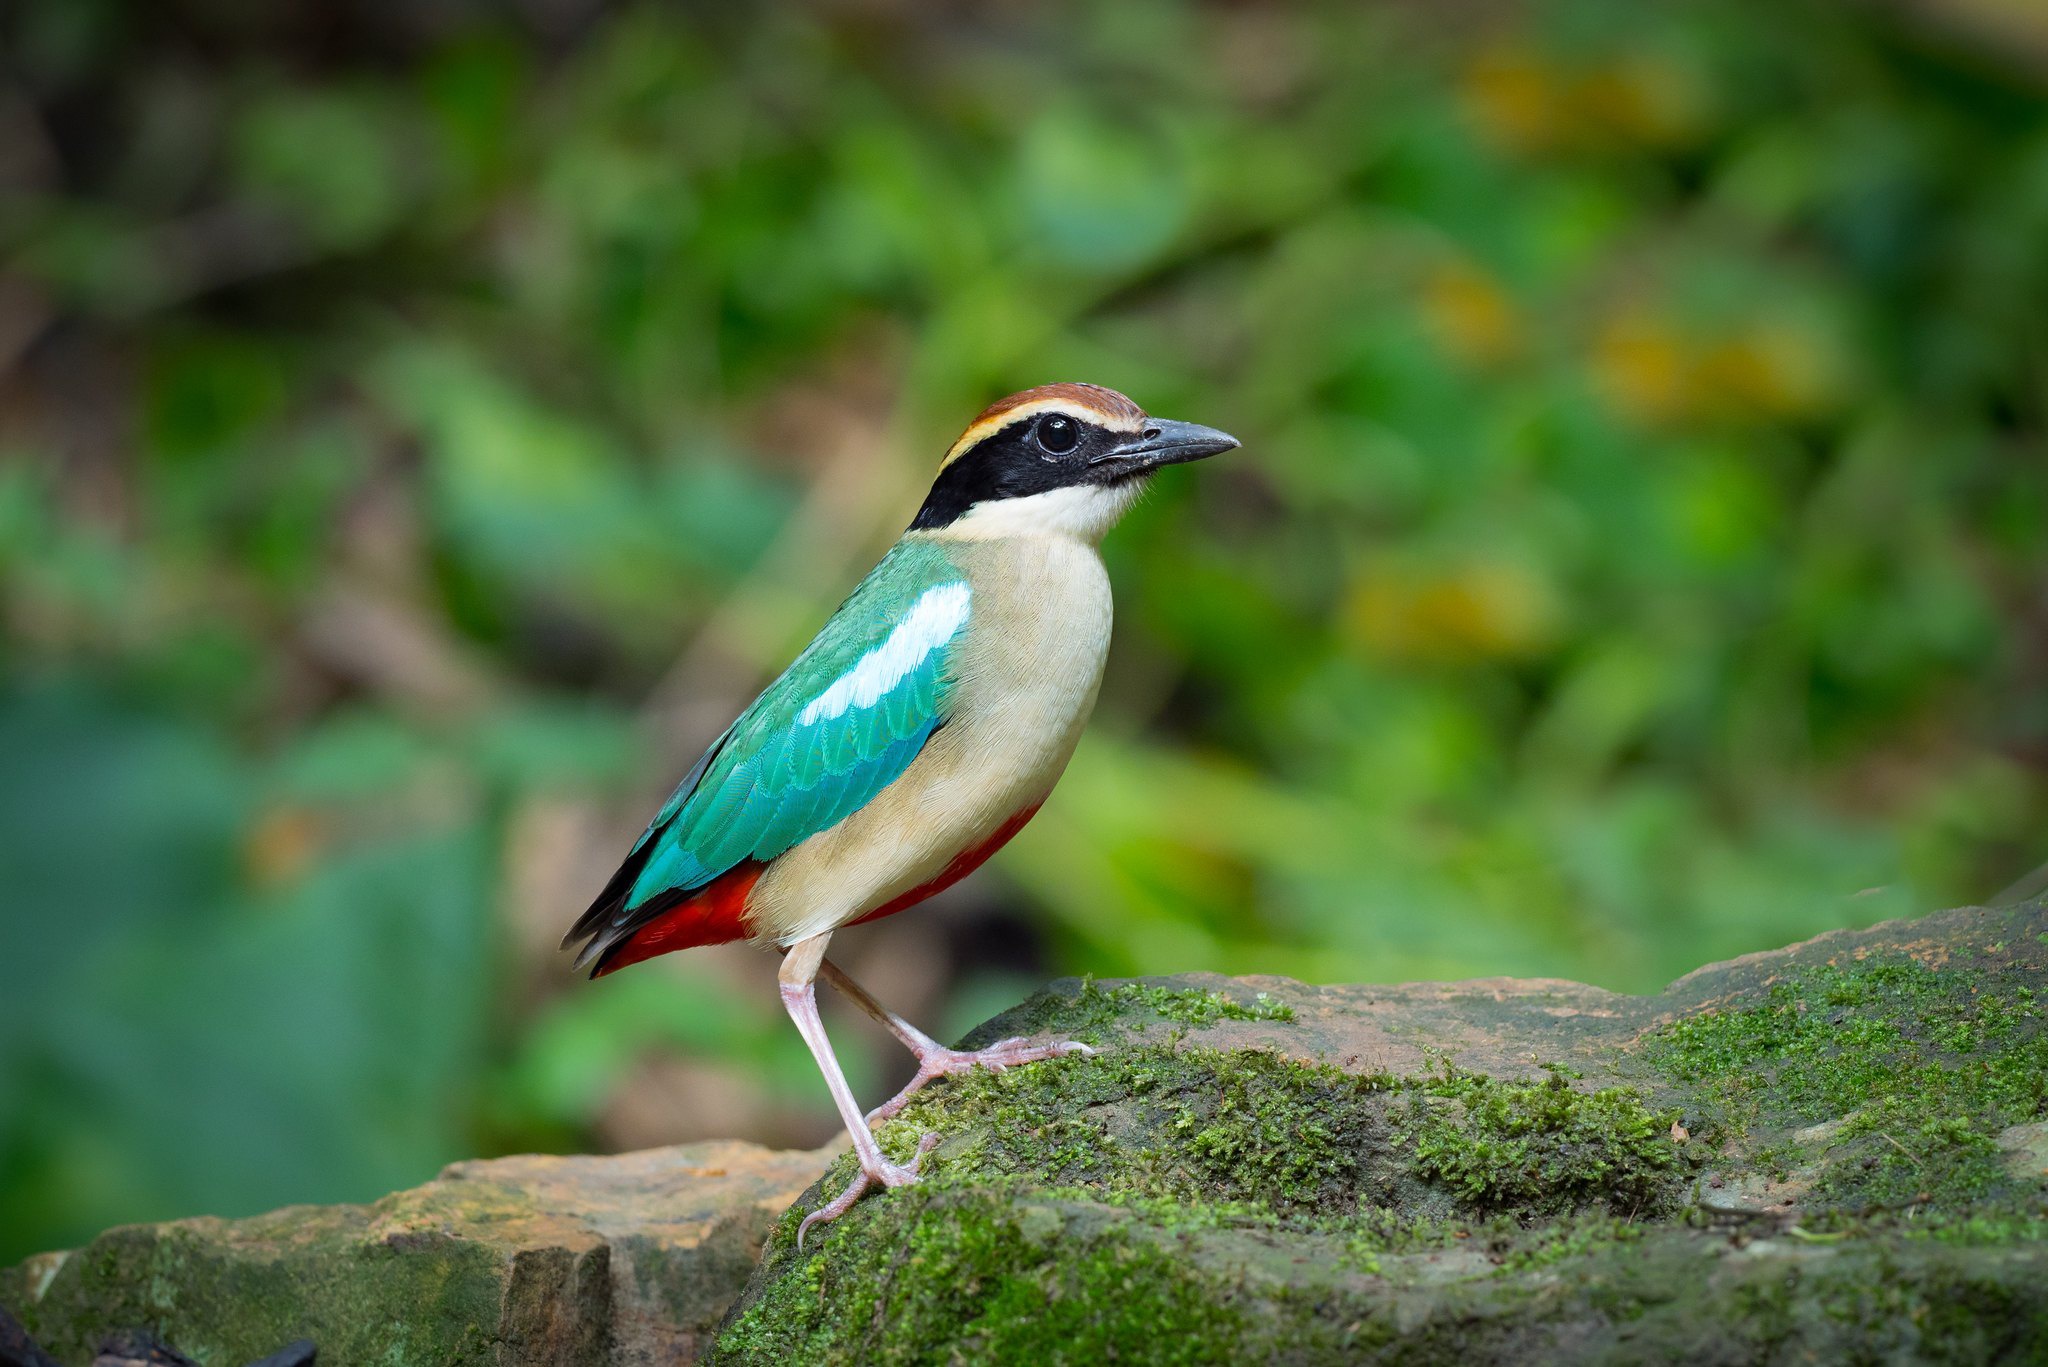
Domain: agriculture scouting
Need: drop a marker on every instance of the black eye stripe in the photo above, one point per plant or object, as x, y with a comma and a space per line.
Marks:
1014, 461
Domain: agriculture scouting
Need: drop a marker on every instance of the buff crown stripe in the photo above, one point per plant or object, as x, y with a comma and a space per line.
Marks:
1103, 406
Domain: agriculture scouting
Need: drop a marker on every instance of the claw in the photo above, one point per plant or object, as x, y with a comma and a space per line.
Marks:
1002, 1054
835, 1208
931, 1063
885, 1173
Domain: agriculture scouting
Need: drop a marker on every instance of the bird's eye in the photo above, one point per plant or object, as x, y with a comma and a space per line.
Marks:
1058, 434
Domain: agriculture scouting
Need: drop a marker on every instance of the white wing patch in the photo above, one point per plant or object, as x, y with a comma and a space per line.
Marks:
934, 619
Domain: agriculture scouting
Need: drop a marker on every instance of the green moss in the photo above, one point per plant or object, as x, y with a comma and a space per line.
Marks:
1541, 1148
1190, 1145
1276, 1131
925, 1275
935, 1275
1920, 1066
1575, 1237
1209, 1127
1095, 1014
929, 1274
1830, 1039
1984, 1228
1508, 1243
1191, 1126
236, 1293
1206, 1129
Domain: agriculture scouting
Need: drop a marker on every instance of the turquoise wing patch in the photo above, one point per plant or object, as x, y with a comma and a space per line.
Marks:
841, 724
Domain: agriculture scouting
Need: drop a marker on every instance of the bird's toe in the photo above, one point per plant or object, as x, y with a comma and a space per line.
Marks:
836, 1207
906, 1174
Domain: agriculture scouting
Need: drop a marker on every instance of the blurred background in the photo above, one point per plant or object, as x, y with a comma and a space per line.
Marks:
424, 423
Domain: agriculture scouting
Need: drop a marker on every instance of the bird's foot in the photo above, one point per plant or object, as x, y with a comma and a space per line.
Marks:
875, 1170
1003, 1054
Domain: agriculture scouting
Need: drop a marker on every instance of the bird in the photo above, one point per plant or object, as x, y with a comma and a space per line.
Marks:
917, 733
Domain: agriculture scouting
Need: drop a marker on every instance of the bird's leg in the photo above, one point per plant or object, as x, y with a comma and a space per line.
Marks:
933, 1058
798, 980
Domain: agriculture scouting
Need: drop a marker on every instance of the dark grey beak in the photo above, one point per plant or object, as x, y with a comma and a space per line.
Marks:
1164, 442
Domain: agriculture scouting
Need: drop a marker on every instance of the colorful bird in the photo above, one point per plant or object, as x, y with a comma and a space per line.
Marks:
913, 737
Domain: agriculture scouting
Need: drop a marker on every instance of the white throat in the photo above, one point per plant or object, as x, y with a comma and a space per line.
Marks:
1085, 512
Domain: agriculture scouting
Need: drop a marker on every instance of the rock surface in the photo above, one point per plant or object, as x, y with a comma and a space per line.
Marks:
625, 1260
1827, 1153
1834, 1152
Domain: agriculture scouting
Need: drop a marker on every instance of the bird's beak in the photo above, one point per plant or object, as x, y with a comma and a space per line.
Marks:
1164, 443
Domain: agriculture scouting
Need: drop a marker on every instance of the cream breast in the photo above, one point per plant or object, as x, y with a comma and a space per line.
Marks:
1026, 672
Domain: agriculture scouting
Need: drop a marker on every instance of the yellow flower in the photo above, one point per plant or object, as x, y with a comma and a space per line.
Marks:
1530, 104
1472, 314
1517, 98
1476, 610
1661, 375
1643, 368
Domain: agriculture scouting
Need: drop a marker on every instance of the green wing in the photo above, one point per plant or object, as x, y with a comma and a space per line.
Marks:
837, 727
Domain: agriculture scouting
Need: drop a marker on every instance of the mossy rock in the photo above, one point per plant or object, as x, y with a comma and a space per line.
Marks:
1832, 1152
622, 1260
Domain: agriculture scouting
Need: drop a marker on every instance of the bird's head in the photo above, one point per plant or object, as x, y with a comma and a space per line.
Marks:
1061, 459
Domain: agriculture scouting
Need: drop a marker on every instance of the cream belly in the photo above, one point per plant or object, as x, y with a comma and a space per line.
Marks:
1026, 678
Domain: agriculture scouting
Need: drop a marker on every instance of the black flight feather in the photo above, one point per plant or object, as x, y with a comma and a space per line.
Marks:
609, 921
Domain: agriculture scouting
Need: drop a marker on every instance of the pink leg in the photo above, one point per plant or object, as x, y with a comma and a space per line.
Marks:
799, 997
933, 1058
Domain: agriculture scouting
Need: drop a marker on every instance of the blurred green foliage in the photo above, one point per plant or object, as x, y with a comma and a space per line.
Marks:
420, 429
